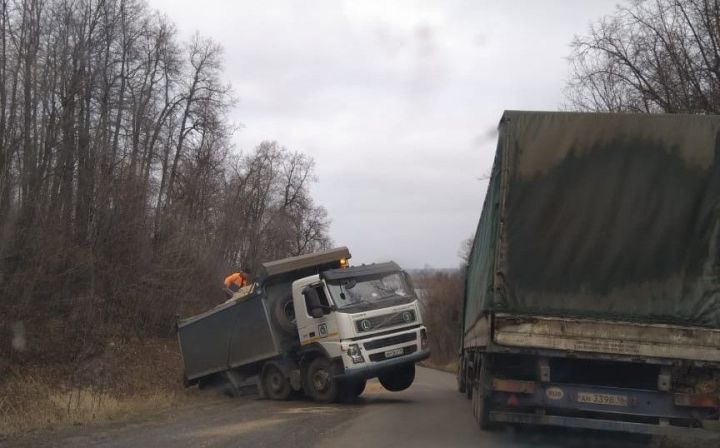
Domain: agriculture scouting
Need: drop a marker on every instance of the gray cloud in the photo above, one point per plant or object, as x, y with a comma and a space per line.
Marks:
397, 101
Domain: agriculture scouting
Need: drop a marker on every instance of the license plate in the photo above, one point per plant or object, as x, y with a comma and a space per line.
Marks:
607, 399
394, 352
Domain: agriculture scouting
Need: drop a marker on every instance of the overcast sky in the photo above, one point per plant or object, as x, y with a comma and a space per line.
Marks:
397, 101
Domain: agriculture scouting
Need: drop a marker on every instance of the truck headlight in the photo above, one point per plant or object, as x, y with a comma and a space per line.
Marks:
423, 339
355, 354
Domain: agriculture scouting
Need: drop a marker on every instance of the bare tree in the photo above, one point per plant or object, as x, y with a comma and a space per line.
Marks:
121, 200
273, 207
649, 56
465, 251
441, 296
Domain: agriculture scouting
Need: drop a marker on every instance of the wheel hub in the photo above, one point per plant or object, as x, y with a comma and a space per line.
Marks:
320, 380
276, 381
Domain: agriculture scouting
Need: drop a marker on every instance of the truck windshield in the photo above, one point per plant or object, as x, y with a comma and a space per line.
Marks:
365, 293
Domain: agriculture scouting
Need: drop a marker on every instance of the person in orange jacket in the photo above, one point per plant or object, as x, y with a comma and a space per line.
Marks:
235, 281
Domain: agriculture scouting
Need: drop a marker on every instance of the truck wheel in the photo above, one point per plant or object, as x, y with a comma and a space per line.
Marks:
319, 381
283, 313
274, 383
467, 374
461, 379
481, 410
350, 390
398, 379
359, 388
481, 391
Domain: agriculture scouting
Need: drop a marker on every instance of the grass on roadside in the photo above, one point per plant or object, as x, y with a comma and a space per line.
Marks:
125, 380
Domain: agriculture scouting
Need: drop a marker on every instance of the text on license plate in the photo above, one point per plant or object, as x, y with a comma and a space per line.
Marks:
608, 399
394, 352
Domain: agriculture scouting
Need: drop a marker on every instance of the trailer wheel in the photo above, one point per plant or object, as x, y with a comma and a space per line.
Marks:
398, 379
283, 313
319, 381
275, 385
467, 373
481, 410
461, 384
481, 390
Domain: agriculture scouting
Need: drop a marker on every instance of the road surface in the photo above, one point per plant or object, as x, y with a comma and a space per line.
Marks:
429, 414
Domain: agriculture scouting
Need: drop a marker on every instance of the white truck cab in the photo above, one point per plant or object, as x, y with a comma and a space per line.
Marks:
365, 318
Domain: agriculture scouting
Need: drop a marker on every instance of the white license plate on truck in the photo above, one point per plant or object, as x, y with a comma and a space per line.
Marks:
607, 399
394, 352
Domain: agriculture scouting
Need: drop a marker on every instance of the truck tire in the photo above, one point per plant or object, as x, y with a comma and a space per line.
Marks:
398, 379
283, 314
274, 383
319, 381
481, 410
359, 388
350, 390
467, 374
461, 380
481, 390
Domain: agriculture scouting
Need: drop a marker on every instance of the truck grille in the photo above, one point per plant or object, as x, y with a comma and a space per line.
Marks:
392, 340
386, 320
381, 356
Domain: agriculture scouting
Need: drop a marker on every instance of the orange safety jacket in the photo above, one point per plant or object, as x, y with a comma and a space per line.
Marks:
235, 281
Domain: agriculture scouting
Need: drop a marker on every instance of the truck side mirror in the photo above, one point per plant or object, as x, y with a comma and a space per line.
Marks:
312, 301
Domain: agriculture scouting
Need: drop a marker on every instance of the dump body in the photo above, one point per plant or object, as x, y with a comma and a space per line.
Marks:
592, 294
241, 331
217, 340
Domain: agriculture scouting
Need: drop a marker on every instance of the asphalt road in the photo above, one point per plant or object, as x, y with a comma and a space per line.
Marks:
429, 414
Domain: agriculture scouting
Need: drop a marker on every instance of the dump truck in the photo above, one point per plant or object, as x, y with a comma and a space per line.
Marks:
311, 323
592, 295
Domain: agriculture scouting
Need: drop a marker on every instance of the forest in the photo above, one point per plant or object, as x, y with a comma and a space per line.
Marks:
123, 201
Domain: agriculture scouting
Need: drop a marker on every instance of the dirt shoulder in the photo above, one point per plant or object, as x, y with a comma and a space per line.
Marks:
211, 420
125, 378
131, 394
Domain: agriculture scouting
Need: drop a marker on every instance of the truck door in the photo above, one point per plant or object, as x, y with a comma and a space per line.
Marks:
314, 316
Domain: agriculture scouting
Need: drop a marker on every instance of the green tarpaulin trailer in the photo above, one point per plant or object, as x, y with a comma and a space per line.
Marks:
592, 294
601, 215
